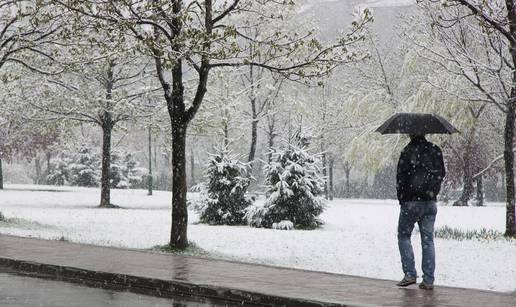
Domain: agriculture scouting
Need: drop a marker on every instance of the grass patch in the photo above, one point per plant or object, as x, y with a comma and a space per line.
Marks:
191, 250
110, 206
21, 223
461, 235
62, 239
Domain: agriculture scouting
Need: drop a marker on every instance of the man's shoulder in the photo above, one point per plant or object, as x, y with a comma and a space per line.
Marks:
434, 147
421, 146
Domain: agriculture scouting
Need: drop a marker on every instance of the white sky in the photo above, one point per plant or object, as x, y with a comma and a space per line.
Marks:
372, 3
384, 3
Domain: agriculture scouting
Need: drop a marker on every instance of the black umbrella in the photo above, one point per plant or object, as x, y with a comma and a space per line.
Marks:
416, 123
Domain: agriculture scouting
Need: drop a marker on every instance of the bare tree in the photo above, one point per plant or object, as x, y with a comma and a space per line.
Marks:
189, 39
28, 32
497, 19
104, 84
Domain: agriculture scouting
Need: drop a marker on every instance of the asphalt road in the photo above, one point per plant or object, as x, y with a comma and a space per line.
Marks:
18, 291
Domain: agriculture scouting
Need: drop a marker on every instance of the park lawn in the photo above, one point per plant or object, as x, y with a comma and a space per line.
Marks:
358, 238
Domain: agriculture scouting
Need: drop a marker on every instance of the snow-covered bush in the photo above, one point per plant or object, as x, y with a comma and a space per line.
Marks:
116, 170
283, 225
83, 168
294, 190
84, 171
222, 197
59, 172
133, 174
124, 173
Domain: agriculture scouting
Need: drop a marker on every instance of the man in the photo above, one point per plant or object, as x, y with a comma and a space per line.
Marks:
419, 177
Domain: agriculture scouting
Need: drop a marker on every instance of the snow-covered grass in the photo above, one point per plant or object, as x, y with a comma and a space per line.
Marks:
358, 238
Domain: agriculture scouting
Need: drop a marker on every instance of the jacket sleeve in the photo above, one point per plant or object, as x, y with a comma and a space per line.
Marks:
440, 163
402, 175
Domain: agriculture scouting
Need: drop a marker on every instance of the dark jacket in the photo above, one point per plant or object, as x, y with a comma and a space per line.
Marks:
420, 171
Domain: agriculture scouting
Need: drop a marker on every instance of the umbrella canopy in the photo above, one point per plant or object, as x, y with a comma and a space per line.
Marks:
416, 123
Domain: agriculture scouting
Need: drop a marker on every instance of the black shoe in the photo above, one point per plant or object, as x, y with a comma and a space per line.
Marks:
406, 281
426, 286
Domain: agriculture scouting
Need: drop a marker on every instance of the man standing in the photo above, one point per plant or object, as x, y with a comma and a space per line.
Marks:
419, 176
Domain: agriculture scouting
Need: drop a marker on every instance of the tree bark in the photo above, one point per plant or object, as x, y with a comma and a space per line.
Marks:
192, 166
1, 176
330, 179
347, 171
480, 191
178, 233
156, 149
323, 143
37, 163
510, 229
225, 141
510, 226
105, 189
254, 115
47, 171
254, 131
325, 174
271, 134
179, 122
468, 187
107, 129
149, 178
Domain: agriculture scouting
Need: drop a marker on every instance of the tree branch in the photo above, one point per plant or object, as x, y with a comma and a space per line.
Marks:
226, 12
479, 12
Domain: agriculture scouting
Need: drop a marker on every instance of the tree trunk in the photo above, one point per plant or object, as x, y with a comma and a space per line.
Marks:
225, 141
270, 145
105, 189
254, 116
1, 176
149, 178
467, 190
347, 171
156, 149
480, 191
330, 179
168, 158
254, 132
468, 187
504, 188
178, 233
107, 129
510, 225
192, 166
271, 134
325, 174
510, 228
47, 171
180, 116
37, 163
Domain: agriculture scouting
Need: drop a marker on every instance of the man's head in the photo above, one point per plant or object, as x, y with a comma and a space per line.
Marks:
416, 136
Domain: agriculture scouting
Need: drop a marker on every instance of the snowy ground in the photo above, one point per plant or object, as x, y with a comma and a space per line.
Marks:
359, 237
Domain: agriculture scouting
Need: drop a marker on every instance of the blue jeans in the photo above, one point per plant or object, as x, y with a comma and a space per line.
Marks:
422, 212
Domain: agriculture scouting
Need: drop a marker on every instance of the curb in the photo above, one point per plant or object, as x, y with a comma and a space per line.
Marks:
152, 286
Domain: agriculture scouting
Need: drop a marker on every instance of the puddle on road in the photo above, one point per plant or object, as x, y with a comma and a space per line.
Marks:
21, 291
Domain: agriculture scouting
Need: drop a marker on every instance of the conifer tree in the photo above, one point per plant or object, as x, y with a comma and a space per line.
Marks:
294, 191
84, 171
223, 198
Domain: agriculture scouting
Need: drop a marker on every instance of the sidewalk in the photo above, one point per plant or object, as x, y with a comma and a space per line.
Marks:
166, 275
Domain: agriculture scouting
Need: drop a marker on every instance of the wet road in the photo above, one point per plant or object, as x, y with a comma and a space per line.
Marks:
18, 291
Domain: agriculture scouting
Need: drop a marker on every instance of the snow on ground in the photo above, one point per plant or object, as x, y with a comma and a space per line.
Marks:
359, 236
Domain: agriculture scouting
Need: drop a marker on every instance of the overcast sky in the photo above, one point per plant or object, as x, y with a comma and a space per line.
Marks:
386, 3
371, 3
